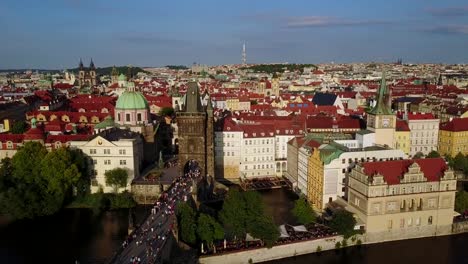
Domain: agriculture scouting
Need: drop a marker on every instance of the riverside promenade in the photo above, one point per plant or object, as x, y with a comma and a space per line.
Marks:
146, 243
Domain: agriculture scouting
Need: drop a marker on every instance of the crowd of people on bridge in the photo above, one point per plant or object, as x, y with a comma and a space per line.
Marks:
151, 237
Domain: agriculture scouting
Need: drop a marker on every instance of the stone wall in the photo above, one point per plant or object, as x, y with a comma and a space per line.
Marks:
408, 233
460, 227
277, 252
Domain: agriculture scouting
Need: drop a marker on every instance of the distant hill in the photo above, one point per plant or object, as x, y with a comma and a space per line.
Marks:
272, 68
108, 70
99, 71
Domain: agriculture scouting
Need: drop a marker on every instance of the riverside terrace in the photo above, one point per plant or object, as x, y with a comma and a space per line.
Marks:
146, 243
289, 234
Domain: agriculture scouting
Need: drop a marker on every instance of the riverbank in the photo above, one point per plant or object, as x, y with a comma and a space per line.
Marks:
104, 201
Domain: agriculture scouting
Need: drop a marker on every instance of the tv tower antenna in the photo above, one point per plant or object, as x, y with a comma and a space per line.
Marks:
244, 55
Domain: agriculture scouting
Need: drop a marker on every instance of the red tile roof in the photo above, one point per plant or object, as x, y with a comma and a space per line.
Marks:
456, 125
420, 116
392, 171
402, 125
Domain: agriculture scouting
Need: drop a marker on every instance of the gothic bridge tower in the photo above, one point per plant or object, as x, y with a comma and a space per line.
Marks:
196, 133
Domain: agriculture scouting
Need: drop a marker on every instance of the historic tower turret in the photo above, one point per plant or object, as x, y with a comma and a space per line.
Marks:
196, 139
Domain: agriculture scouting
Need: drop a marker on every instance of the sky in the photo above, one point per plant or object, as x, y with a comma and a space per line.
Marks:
55, 34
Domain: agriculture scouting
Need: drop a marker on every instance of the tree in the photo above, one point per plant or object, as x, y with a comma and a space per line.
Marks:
433, 154
418, 155
209, 230
303, 211
61, 174
459, 162
187, 225
264, 229
117, 178
232, 215
343, 222
36, 182
166, 111
19, 127
461, 201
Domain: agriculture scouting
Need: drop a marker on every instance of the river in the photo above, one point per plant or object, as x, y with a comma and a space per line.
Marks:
78, 234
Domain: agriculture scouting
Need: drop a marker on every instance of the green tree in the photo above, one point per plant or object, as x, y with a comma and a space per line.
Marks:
36, 182
166, 111
186, 217
418, 155
58, 170
117, 178
343, 222
459, 162
264, 229
209, 230
232, 215
303, 211
461, 201
433, 154
19, 127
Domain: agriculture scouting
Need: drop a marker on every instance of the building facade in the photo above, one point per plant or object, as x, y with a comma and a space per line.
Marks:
453, 137
402, 136
424, 134
114, 148
403, 198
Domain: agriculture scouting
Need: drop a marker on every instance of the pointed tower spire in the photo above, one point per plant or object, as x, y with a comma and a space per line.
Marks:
383, 98
91, 64
81, 64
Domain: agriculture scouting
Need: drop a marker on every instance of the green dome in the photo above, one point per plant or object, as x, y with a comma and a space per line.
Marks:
122, 77
131, 100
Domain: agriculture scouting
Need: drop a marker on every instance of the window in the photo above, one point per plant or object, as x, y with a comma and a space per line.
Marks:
389, 224
418, 221
410, 221
402, 223
391, 206
429, 220
92, 151
431, 203
127, 117
122, 151
107, 162
123, 162
94, 161
356, 201
106, 151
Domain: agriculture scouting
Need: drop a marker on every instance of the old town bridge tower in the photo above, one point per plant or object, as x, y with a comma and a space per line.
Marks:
196, 134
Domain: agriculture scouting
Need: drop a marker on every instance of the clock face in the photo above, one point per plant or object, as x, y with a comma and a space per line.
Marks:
385, 122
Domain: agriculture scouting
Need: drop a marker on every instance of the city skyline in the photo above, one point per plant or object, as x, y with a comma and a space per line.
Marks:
55, 34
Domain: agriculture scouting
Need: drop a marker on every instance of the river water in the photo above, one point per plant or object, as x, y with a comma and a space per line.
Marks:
78, 234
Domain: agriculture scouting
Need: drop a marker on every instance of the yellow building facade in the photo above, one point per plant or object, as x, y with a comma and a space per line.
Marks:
315, 180
453, 137
402, 136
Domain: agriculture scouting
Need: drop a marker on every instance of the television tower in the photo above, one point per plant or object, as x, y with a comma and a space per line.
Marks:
244, 55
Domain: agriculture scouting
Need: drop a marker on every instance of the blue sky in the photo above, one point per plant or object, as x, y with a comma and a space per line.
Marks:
56, 33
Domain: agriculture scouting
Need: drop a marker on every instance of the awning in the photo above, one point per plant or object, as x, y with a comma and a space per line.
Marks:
300, 228
283, 232
248, 237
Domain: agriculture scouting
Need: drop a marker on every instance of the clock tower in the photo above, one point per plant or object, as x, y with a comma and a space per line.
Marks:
380, 119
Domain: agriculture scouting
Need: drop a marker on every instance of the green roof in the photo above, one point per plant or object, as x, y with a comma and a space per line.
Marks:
107, 122
131, 100
122, 77
329, 153
382, 107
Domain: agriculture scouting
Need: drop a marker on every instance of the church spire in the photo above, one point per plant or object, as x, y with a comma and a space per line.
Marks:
91, 64
382, 106
81, 64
